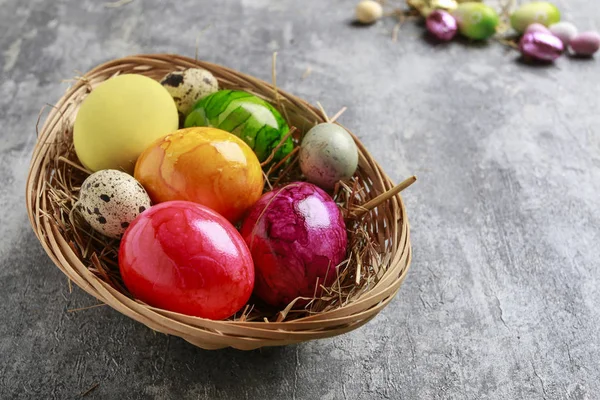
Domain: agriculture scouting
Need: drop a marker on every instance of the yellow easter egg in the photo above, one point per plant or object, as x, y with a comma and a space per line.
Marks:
204, 165
119, 119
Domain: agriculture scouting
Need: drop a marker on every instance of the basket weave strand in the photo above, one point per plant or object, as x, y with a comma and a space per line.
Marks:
387, 224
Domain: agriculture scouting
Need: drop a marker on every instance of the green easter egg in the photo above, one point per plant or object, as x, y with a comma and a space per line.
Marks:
476, 20
540, 11
248, 117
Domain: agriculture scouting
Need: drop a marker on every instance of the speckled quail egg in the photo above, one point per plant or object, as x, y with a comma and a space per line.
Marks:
109, 200
189, 86
328, 154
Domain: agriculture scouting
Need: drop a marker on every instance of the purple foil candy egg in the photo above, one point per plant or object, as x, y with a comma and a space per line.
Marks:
442, 25
541, 46
537, 27
586, 43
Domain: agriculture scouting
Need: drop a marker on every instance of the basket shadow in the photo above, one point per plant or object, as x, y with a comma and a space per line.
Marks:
230, 369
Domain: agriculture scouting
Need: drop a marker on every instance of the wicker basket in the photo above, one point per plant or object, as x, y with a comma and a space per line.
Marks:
383, 216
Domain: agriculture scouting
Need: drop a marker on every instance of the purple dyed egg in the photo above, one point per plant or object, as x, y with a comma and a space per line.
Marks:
586, 43
537, 27
541, 46
442, 25
297, 238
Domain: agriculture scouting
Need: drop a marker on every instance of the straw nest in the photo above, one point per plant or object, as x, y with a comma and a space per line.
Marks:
379, 250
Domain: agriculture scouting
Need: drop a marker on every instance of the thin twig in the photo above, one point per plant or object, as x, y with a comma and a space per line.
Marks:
72, 164
307, 72
197, 48
281, 143
395, 31
283, 160
266, 178
94, 386
506, 7
37, 123
286, 170
280, 106
274, 79
323, 112
85, 308
358, 268
117, 4
338, 114
385, 196
509, 43
198, 40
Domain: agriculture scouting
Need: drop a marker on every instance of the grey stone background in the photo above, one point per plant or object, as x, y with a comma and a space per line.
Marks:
501, 301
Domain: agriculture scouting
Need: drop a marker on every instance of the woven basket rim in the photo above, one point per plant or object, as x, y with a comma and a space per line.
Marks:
209, 334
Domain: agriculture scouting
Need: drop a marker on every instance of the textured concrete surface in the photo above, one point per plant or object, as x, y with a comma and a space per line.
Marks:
502, 298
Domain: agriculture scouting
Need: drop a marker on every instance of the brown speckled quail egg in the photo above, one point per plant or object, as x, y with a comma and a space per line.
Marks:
109, 200
328, 154
189, 86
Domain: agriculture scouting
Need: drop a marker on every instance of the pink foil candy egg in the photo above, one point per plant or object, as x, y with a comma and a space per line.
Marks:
442, 25
537, 27
541, 46
586, 43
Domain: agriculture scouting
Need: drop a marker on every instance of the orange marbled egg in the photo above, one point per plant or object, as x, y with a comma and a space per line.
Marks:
204, 165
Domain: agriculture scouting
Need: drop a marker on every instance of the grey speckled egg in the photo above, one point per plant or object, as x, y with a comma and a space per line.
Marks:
189, 86
328, 154
109, 200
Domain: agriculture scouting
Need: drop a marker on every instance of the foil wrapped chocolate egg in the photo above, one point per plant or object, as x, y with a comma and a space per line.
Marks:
585, 44
541, 46
538, 11
537, 27
442, 25
476, 20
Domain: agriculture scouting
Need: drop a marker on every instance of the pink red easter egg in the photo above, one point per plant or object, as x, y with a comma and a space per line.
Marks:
184, 257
